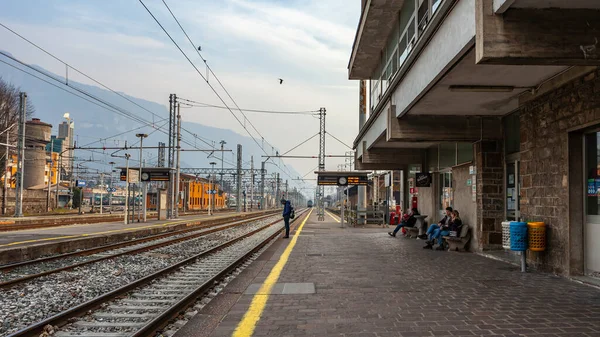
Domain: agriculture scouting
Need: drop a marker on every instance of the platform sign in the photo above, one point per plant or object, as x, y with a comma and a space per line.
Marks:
423, 179
336, 178
151, 174
155, 175
80, 183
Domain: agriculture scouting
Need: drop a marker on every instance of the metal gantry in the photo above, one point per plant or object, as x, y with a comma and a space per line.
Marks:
321, 189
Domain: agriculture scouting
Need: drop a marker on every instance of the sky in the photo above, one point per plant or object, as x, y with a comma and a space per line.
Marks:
248, 44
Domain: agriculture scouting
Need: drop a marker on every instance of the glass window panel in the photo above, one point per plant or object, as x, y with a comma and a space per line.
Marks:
593, 174
435, 4
432, 158
464, 153
512, 133
411, 30
445, 191
447, 155
407, 11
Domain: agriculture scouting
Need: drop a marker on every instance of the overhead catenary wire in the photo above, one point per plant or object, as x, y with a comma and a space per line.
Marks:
334, 137
90, 98
220, 83
69, 66
204, 77
197, 104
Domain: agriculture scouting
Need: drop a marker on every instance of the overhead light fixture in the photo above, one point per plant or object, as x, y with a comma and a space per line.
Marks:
480, 88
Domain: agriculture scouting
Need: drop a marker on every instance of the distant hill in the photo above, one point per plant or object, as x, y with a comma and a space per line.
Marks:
93, 122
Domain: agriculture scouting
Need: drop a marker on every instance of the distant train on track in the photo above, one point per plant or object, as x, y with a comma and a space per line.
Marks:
309, 204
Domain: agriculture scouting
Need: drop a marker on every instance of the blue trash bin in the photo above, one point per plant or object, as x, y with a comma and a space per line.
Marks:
518, 236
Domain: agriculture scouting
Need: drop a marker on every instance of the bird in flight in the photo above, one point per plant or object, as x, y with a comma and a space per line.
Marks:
280, 81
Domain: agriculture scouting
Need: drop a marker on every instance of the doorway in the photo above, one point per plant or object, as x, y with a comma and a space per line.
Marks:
591, 230
445, 192
513, 188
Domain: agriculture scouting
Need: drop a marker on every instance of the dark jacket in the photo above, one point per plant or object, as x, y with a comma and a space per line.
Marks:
445, 222
287, 209
410, 220
456, 226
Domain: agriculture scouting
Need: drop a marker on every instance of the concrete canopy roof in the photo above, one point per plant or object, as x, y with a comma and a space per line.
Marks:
440, 100
376, 23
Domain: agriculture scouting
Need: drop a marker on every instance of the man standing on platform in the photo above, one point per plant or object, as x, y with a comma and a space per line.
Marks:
287, 212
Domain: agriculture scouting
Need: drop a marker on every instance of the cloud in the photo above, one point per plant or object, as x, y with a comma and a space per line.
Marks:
248, 44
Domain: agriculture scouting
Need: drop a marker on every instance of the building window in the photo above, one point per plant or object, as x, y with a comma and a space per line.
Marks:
464, 153
432, 159
447, 155
445, 191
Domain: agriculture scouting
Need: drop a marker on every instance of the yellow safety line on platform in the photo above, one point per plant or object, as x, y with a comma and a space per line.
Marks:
334, 217
104, 232
246, 327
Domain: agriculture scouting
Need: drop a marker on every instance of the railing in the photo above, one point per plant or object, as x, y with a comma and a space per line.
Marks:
417, 24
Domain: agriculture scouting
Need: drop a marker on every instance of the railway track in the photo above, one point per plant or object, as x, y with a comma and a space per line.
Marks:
23, 271
144, 306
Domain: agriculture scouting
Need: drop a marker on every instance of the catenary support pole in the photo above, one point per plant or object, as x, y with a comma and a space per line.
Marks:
262, 185
126, 217
101, 184
239, 179
178, 163
21, 154
6, 180
251, 182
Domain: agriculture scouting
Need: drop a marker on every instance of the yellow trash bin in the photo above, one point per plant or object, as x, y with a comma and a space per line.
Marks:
537, 236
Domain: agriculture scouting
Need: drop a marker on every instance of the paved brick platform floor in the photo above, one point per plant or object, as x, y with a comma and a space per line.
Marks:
369, 284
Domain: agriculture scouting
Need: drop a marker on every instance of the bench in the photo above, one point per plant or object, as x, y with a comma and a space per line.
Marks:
419, 228
460, 242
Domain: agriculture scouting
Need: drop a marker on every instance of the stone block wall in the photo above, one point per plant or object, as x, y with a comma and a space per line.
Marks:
545, 125
490, 194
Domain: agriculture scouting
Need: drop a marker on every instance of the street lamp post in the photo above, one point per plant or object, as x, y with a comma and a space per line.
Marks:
141, 136
211, 190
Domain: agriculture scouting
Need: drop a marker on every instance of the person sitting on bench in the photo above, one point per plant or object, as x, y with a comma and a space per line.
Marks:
435, 229
455, 226
408, 220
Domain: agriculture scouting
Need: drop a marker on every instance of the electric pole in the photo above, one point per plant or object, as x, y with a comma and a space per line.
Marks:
21, 154
178, 164
239, 179
101, 184
262, 185
277, 196
251, 181
321, 189
222, 142
126, 221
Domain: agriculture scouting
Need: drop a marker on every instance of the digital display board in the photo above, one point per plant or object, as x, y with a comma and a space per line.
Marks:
341, 179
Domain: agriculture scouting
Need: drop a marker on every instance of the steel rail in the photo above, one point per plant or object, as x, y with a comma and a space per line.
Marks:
173, 311
63, 318
203, 230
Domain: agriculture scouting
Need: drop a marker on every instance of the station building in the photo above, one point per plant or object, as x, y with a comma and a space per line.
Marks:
500, 101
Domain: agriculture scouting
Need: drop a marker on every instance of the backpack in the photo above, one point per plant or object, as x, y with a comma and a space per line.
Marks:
292, 213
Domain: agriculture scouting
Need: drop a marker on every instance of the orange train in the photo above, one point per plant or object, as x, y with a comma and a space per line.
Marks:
194, 194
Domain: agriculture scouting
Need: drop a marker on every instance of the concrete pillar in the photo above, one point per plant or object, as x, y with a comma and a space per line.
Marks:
362, 190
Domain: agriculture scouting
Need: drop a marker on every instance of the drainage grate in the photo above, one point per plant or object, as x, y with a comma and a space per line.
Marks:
314, 254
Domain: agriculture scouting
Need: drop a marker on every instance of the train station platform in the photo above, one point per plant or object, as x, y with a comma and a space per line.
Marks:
16, 246
333, 281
